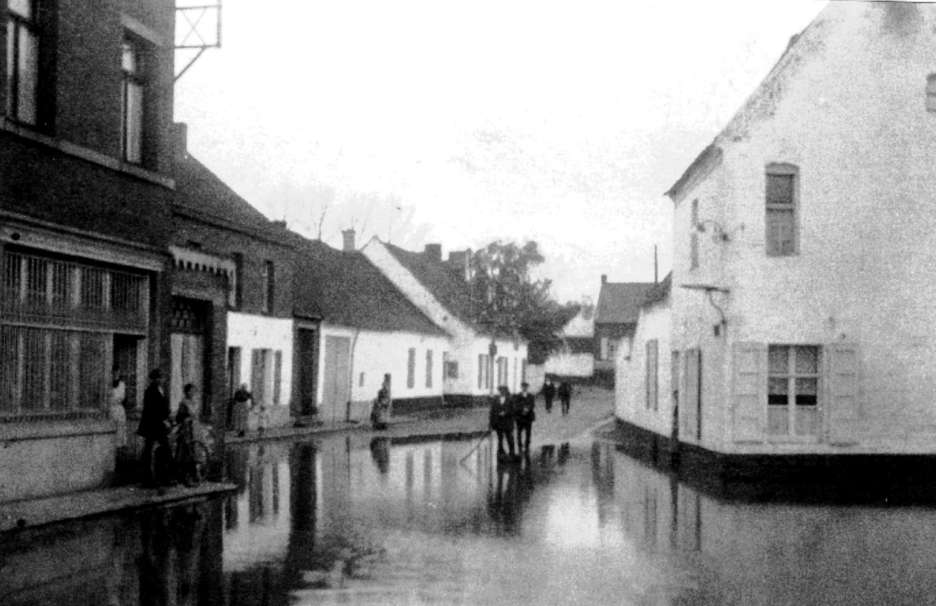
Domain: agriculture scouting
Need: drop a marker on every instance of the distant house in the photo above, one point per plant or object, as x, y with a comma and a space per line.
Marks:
615, 321
575, 358
368, 329
232, 295
642, 370
802, 298
476, 361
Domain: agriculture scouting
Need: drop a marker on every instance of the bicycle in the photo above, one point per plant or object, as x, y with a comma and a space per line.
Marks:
186, 463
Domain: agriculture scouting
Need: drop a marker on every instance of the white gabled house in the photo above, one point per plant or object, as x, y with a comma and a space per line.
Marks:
440, 289
803, 291
368, 329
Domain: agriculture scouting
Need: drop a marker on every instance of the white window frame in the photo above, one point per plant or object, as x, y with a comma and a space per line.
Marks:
133, 98
791, 375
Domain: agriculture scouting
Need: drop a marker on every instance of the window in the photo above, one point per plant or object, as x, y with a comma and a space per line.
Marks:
22, 62
428, 368
411, 368
45, 368
277, 375
233, 369
361, 380
235, 288
694, 236
267, 279
781, 194
133, 97
651, 365
611, 349
501, 371
484, 371
793, 390
603, 354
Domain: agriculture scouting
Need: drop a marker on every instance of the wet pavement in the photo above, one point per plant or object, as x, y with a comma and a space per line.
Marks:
405, 518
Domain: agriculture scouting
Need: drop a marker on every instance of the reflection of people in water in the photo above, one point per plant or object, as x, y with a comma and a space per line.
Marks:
380, 452
170, 559
546, 455
512, 490
563, 453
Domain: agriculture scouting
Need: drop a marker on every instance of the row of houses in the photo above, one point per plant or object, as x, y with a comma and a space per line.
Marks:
798, 317
121, 253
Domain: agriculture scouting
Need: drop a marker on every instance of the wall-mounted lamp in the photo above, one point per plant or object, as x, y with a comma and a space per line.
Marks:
719, 233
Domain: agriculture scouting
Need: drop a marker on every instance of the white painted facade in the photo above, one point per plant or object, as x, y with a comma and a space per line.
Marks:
847, 107
272, 338
632, 372
467, 348
375, 353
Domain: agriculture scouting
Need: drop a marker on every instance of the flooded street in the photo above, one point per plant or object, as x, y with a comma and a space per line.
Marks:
434, 520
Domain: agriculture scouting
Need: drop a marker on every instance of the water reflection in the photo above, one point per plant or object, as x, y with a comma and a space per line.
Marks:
353, 519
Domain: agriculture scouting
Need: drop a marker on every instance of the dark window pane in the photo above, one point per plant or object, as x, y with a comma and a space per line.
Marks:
807, 391
780, 189
807, 360
778, 356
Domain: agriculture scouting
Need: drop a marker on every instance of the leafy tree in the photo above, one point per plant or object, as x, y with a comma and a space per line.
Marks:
508, 301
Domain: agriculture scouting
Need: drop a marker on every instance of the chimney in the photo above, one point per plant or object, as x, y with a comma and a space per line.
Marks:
348, 236
281, 223
179, 141
460, 262
604, 278
434, 252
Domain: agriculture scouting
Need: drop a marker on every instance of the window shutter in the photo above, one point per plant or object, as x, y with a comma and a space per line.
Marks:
841, 393
689, 406
749, 391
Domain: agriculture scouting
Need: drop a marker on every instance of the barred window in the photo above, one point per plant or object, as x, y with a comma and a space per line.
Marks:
48, 370
46, 290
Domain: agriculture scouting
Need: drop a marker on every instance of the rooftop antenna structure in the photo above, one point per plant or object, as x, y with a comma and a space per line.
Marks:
198, 28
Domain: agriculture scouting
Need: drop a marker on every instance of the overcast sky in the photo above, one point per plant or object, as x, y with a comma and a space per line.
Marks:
464, 122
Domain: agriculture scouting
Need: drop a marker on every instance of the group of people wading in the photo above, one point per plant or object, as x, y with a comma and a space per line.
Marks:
517, 412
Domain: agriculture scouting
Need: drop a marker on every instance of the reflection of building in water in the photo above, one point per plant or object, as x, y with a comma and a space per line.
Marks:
257, 520
769, 553
161, 556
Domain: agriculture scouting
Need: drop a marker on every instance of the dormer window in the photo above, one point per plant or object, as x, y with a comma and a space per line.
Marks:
22, 62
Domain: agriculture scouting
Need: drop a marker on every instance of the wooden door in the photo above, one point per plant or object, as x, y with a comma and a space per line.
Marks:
336, 388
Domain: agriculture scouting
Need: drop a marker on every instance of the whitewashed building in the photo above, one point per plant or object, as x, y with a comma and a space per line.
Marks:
474, 363
368, 329
804, 242
575, 357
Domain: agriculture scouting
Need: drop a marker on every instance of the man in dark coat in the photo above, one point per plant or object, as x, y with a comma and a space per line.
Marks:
501, 420
524, 409
154, 424
565, 396
549, 393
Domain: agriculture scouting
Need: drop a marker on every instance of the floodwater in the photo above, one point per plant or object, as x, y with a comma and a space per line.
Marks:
355, 520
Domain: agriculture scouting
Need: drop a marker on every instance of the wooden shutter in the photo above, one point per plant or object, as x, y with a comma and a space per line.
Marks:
843, 408
749, 391
257, 375
689, 407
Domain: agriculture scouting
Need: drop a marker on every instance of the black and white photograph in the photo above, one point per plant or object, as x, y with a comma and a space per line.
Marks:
503, 302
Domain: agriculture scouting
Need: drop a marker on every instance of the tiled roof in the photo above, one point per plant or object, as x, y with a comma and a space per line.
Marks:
442, 281
203, 194
619, 302
345, 288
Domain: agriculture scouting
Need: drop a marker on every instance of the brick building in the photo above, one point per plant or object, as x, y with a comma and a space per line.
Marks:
232, 297
85, 187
